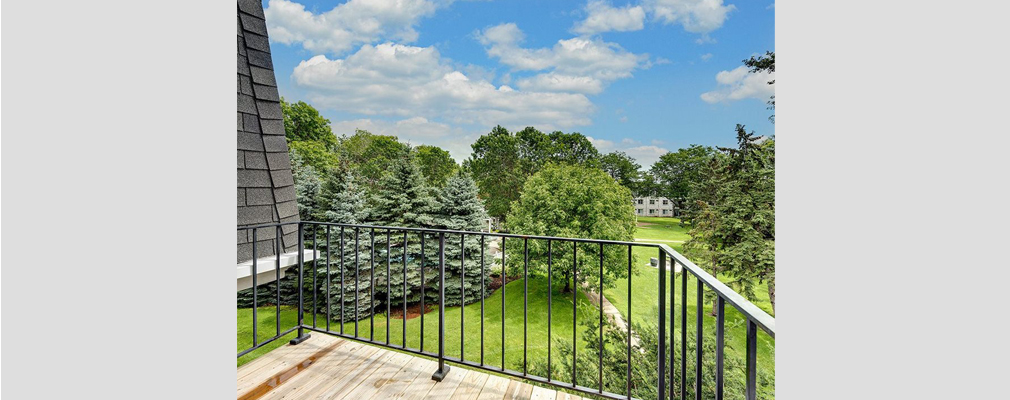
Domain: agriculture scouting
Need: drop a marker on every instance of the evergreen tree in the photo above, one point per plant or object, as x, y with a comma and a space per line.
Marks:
462, 210
307, 185
347, 206
403, 198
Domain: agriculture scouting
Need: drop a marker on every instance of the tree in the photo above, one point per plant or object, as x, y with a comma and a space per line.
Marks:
676, 172
461, 209
436, 164
403, 198
350, 264
762, 64
302, 122
734, 227
501, 162
495, 167
307, 185
620, 166
371, 154
315, 154
577, 202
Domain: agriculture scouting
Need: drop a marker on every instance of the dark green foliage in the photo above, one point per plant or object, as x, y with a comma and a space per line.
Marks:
623, 168
501, 161
675, 174
644, 373
733, 230
436, 164
302, 122
307, 186
371, 155
460, 209
576, 202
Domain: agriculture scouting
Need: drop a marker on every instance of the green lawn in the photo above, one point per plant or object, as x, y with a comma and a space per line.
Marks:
561, 325
644, 288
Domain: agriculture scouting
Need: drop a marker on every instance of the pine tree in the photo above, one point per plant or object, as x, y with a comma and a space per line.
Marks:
348, 206
402, 198
462, 210
307, 185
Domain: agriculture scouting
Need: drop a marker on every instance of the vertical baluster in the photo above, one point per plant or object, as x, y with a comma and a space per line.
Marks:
575, 313
720, 328
315, 251
462, 292
661, 370
371, 286
601, 318
503, 269
423, 284
751, 360
357, 280
700, 324
277, 277
388, 287
328, 250
255, 288
403, 344
526, 272
550, 304
301, 286
343, 282
683, 334
673, 325
442, 368
628, 381
483, 294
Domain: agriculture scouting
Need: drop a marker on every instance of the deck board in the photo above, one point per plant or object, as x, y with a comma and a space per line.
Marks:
346, 369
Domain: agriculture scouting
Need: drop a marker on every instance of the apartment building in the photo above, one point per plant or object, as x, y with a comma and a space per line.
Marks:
653, 207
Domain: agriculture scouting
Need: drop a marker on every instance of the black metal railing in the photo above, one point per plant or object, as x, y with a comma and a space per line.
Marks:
755, 317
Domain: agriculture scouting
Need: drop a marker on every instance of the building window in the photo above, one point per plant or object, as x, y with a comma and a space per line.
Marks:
652, 201
639, 201
638, 211
652, 211
664, 212
665, 202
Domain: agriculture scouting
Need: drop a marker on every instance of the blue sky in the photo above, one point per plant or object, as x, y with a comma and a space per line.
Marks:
641, 76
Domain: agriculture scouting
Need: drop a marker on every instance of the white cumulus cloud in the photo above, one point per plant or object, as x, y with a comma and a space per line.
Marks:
408, 81
580, 64
346, 25
603, 17
740, 84
645, 155
696, 16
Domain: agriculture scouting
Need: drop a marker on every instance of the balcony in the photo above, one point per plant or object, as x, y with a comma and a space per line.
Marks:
371, 353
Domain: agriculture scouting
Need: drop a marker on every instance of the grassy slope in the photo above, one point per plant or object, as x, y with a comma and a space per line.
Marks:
536, 326
646, 297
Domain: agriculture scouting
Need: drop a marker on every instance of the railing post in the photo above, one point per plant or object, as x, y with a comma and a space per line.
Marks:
661, 362
301, 266
442, 368
751, 360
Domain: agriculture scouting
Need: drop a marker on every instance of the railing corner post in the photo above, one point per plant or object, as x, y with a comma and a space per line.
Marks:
443, 369
301, 267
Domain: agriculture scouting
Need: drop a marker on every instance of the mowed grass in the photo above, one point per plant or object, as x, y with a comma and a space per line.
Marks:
536, 327
645, 297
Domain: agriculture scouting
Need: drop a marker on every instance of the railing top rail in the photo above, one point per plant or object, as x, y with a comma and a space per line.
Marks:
751, 311
493, 234
274, 225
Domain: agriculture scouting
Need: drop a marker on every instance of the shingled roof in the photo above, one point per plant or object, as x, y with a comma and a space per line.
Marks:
266, 192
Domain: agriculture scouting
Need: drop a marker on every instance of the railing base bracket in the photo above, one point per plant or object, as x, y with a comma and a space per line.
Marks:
300, 339
440, 374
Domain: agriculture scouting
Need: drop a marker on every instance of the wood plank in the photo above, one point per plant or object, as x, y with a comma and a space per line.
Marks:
379, 377
329, 368
471, 386
275, 355
422, 383
567, 396
288, 357
541, 393
494, 388
519, 391
357, 371
417, 367
448, 385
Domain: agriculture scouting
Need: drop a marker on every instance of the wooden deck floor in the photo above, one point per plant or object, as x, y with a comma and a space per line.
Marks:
326, 367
